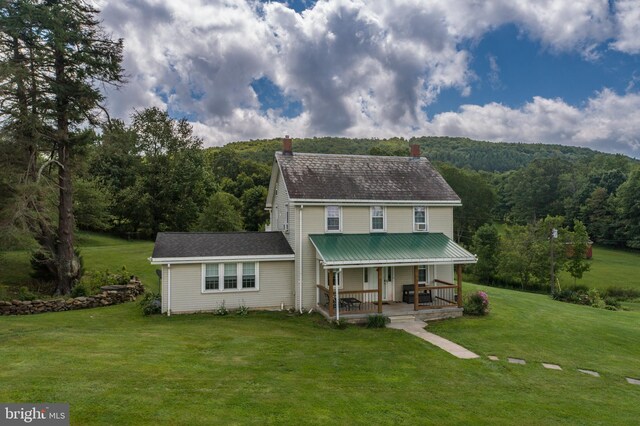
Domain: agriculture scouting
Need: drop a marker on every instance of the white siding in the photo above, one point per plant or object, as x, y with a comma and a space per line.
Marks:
186, 289
400, 219
441, 220
279, 210
313, 223
355, 220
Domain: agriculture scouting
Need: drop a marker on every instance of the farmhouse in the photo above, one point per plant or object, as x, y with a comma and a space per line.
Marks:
349, 235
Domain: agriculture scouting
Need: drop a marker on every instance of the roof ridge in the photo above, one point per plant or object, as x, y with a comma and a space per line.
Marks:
321, 154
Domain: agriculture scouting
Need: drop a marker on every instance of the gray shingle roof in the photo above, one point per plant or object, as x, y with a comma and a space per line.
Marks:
214, 244
362, 177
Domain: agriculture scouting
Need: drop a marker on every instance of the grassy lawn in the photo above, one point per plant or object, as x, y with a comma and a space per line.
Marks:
115, 366
99, 252
609, 268
538, 329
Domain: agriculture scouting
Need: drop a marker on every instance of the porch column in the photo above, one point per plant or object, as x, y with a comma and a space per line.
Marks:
379, 290
459, 278
332, 305
416, 296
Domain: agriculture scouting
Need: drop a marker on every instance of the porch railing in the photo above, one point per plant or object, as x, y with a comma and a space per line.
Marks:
348, 301
442, 295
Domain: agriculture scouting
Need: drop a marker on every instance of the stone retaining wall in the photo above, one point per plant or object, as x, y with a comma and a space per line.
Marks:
111, 295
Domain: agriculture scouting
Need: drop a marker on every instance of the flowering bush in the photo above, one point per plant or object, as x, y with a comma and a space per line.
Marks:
476, 303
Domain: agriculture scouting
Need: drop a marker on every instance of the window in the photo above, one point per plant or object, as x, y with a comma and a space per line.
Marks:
286, 220
333, 218
230, 276
366, 275
377, 218
426, 274
422, 273
419, 218
248, 275
211, 277
337, 278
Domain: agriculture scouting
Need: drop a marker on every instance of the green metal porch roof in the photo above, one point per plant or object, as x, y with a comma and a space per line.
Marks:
353, 250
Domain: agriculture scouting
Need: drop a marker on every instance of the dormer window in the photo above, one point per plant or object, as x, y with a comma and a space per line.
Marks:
377, 219
333, 221
420, 219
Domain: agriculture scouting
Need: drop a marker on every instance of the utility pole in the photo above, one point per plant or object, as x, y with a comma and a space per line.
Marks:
554, 235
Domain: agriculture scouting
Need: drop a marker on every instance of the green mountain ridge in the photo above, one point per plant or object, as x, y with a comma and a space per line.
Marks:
461, 152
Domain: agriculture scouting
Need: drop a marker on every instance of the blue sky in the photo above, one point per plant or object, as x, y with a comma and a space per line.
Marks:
549, 71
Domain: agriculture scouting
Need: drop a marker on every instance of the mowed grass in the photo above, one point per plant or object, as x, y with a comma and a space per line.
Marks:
539, 329
100, 252
609, 268
115, 366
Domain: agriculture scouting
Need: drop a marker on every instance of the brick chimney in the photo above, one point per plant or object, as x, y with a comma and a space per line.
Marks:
415, 151
286, 146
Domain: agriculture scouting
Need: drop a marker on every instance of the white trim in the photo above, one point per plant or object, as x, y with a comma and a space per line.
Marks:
340, 202
392, 262
326, 220
301, 259
384, 220
218, 259
426, 218
168, 289
239, 272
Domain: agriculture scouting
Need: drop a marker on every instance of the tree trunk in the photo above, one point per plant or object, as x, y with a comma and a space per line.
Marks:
68, 265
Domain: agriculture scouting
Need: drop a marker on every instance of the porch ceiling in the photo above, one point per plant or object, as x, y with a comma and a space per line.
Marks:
356, 250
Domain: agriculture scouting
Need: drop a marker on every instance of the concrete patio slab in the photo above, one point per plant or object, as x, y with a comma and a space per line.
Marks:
493, 358
416, 328
517, 361
633, 381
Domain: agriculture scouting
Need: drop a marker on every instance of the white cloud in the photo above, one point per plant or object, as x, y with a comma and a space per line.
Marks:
608, 121
359, 68
628, 26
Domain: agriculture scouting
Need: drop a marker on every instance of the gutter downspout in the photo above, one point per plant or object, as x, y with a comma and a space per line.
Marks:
301, 262
169, 290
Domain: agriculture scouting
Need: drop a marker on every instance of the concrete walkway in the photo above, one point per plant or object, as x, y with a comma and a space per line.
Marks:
417, 329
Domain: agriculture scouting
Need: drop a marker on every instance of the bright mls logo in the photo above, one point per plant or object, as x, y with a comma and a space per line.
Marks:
34, 414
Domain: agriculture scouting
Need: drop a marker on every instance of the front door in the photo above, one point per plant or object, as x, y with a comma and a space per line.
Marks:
371, 282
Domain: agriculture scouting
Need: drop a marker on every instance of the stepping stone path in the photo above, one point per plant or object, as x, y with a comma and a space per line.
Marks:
493, 358
517, 361
590, 372
633, 381
551, 366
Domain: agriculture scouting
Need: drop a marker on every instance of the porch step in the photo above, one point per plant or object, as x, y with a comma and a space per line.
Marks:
402, 318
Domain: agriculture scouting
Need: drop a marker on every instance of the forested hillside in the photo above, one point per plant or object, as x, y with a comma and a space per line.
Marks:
460, 152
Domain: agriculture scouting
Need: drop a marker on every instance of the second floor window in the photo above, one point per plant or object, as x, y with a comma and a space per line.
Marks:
333, 218
419, 218
377, 218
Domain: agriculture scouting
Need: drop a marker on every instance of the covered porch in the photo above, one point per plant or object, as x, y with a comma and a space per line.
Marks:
401, 274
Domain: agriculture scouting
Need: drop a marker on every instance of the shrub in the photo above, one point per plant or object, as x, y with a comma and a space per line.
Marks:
150, 304
242, 310
377, 321
595, 299
221, 310
92, 281
26, 294
611, 302
476, 303
620, 293
78, 290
